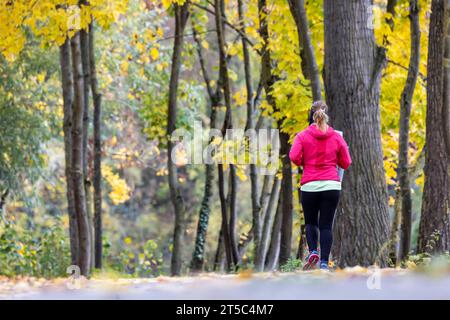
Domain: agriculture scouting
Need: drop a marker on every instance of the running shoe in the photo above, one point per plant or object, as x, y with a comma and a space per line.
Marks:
311, 260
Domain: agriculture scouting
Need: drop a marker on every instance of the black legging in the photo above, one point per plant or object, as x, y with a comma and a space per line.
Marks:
324, 202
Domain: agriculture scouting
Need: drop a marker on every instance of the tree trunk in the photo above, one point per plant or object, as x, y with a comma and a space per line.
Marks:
263, 203
353, 66
181, 16
205, 208
84, 44
77, 158
266, 192
203, 220
414, 172
286, 199
225, 231
219, 256
391, 8
394, 237
311, 71
267, 225
273, 254
298, 11
434, 230
67, 89
268, 80
301, 242
446, 110
233, 214
229, 234
405, 113
446, 107
256, 205
3, 196
97, 175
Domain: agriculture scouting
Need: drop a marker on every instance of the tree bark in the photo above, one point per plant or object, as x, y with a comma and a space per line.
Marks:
233, 214
77, 158
97, 174
263, 203
230, 244
391, 8
298, 11
84, 44
301, 242
394, 237
225, 230
273, 254
266, 192
404, 124
67, 89
219, 256
446, 107
205, 208
268, 80
311, 71
353, 66
203, 220
446, 110
434, 230
3, 196
414, 172
286, 199
181, 17
254, 181
267, 225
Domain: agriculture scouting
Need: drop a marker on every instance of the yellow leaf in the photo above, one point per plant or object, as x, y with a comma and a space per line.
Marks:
124, 67
41, 77
160, 32
154, 53
113, 140
391, 200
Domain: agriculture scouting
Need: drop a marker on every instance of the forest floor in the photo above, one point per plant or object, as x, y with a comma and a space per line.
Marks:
351, 283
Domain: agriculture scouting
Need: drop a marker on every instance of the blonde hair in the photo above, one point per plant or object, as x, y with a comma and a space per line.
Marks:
320, 117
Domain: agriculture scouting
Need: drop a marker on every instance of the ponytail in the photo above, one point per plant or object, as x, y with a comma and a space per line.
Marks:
319, 115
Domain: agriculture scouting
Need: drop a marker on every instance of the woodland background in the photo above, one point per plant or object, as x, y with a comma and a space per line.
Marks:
90, 91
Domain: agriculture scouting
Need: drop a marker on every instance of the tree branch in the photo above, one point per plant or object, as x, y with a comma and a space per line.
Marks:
224, 20
421, 75
380, 64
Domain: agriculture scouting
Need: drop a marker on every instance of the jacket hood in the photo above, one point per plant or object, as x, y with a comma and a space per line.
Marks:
318, 134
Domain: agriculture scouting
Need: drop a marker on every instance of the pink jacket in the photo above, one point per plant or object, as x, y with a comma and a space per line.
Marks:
319, 153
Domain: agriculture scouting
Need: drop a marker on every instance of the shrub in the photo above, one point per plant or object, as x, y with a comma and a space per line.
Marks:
41, 252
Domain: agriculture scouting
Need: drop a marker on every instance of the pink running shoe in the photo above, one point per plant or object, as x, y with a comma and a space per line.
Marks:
311, 260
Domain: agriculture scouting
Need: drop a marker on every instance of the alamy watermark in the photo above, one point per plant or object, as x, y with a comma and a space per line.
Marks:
233, 147
74, 273
376, 17
374, 280
74, 17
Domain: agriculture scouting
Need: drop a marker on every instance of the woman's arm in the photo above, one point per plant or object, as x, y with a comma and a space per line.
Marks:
296, 153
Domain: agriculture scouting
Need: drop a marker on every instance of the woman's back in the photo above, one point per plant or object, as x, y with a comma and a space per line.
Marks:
320, 150
320, 153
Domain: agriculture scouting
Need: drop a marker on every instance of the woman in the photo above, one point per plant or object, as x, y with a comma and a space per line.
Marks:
320, 150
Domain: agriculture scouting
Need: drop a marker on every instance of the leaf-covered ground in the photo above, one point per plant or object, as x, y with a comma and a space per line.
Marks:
354, 283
